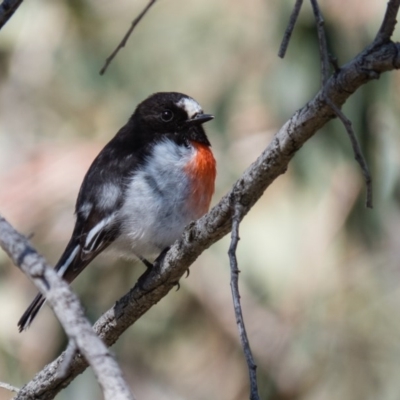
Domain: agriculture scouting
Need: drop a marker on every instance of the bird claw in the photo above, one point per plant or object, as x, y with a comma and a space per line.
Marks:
177, 284
150, 268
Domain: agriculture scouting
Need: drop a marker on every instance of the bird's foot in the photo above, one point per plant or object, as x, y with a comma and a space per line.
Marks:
151, 267
177, 284
147, 263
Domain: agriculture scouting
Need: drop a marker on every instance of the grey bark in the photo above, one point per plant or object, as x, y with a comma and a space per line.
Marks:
69, 311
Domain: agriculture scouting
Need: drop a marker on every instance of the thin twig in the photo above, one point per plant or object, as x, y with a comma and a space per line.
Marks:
9, 387
389, 22
323, 47
289, 30
7, 9
325, 62
69, 355
126, 37
236, 218
356, 150
334, 62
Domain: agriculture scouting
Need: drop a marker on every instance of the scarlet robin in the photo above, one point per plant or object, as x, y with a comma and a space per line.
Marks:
155, 176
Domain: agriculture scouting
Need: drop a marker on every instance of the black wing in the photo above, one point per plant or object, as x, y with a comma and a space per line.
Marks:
100, 197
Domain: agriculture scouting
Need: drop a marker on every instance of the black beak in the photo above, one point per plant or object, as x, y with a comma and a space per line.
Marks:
199, 119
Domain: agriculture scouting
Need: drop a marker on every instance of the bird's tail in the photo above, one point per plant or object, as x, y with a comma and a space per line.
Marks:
64, 269
31, 312
70, 265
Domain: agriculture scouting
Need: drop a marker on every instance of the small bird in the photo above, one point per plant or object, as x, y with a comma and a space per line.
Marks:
149, 182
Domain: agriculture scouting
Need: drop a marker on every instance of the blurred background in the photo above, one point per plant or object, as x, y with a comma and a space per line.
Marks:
320, 273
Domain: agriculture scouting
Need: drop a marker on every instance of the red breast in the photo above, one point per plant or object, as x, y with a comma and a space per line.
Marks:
202, 171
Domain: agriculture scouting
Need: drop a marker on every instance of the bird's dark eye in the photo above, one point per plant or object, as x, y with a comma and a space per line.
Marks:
167, 115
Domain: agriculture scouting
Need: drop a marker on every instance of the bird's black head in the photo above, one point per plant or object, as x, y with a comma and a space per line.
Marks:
172, 113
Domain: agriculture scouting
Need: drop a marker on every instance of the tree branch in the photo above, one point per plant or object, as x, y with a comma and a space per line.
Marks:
7, 9
201, 234
389, 22
289, 30
126, 37
323, 47
325, 62
356, 150
251, 365
9, 387
68, 310
69, 354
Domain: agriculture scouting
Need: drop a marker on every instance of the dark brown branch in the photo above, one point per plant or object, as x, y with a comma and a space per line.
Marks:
68, 310
389, 22
218, 222
289, 30
252, 367
7, 9
126, 37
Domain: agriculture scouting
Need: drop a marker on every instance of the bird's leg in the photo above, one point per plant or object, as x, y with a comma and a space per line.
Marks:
150, 266
147, 263
161, 256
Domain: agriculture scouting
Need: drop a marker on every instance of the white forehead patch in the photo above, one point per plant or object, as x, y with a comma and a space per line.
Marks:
191, 106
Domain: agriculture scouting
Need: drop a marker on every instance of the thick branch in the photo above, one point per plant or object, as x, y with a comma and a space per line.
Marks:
218, 222
68, 310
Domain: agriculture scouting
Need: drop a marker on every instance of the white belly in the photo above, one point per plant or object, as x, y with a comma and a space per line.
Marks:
155, 211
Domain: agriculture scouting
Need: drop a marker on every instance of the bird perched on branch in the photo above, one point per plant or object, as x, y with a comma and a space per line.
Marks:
154, 177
